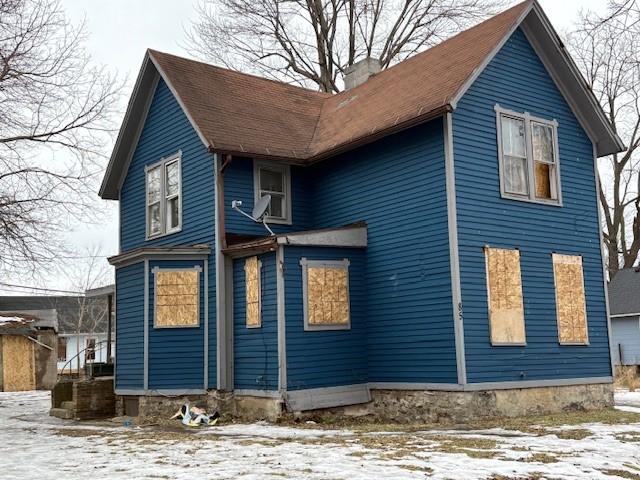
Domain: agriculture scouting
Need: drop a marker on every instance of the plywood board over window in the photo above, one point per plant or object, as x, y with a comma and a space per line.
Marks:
570, 299
504, 291
177, 297
18, 363
326, 294
252, 287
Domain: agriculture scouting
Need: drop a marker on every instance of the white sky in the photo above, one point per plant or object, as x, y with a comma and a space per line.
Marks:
121, 30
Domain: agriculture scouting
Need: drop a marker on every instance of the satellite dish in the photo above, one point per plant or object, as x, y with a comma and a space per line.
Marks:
261, 207
259, 213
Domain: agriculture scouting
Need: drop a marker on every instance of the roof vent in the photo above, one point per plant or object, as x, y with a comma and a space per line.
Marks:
360, 72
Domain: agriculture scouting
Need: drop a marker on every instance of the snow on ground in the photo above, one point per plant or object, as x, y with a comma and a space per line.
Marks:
36, 446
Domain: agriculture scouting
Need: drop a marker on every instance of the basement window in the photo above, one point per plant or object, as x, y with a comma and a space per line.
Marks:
571, 307
528, 158
164, 197
325, 288
275, 180
504, 296
252, 295
177, 298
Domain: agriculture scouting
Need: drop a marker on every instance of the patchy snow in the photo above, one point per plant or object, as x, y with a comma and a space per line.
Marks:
34, 445
4, 320
625, 397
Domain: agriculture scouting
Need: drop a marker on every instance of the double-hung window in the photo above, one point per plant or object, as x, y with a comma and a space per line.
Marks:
528, 154
275, 180
164, 197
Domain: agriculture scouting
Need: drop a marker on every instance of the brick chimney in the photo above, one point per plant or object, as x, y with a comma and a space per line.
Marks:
360, 72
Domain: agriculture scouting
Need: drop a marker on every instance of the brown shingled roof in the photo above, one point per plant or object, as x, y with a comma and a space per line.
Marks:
244, 114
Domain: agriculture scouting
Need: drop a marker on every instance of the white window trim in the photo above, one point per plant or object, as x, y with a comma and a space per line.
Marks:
162, 164
259, 298
155, 270
528, 119
286, 170
306, 263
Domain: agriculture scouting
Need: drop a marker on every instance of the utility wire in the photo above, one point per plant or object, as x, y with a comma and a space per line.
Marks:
40, 289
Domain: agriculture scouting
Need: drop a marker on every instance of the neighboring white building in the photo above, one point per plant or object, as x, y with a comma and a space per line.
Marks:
93, 344
624, 305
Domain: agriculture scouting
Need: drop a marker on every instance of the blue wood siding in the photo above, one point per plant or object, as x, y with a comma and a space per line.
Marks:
176, 355
517, 80
625, 333
130, 327
167, 130
325, 358
397, 185
238, 185
256, 349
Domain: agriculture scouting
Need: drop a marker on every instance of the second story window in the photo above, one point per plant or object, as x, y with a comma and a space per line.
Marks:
164, 192
528, 154
275, 180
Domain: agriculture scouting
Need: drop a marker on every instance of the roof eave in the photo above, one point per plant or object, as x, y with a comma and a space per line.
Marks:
110, 187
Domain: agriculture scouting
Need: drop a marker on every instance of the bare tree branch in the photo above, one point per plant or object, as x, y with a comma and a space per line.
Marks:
311, 42
55, 122
607, 49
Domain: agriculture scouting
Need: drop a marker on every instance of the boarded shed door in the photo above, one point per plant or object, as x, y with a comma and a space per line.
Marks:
18, 365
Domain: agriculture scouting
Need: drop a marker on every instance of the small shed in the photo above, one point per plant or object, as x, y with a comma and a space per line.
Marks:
27, 350
624, 304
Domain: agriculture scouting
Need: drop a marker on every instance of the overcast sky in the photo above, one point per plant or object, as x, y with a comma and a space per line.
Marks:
121, 30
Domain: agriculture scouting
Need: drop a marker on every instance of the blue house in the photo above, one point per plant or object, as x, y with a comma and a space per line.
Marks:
624, 302
436, 236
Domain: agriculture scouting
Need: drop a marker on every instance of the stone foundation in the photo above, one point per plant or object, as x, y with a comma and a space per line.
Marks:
398, 406
154, 407
437, 406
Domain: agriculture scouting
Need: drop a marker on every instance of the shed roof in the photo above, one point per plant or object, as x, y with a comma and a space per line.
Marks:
624, 292
247, 115
20, 322
72, 313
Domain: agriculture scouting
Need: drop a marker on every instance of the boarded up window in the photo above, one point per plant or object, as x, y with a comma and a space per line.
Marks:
177, 298
570, 299
504, 289
327, 295
252, 286
18, 363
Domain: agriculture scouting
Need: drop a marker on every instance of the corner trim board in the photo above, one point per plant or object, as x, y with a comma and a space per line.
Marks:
454, 260
205, 281
221, 331
604, 267
282, 336
145, 381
